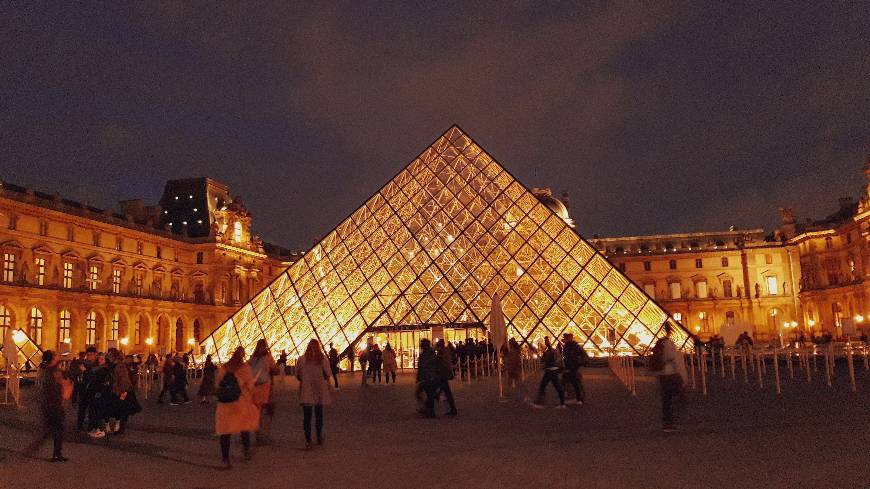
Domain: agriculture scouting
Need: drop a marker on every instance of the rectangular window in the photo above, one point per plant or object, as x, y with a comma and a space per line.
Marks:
93, 277
13, 222
70, 234
5, 320
672, 264
199, 258
35, 327
119, 243
138, 280
43, 228
702, 289
676, 290
39, 276
729, 318
699, 263
724, 262
96, 238
768, 259
67, 275
726, 288
647, 266
772, 286
64, 327
116, 281
8, 267
139, 247
91, 329
116, 327
678, 317
621, 267
137, 332
650, 290
159, 252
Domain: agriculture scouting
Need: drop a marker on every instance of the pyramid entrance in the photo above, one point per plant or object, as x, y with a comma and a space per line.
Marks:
431, 247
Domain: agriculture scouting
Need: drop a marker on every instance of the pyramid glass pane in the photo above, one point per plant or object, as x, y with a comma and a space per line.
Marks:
432, 246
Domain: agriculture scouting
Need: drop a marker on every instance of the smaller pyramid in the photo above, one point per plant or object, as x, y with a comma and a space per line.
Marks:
27, 349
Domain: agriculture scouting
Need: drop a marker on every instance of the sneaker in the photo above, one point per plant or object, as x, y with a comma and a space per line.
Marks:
669, 429
97, 433
537, 406
173, 403
561, 406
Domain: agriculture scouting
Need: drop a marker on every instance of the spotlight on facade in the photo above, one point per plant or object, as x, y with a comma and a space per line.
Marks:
859, 318
190, 342
811, 323
19, 336
125, 341
149, 341
67, 341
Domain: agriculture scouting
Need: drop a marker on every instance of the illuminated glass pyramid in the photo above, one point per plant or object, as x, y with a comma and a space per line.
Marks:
27, 349
431, 247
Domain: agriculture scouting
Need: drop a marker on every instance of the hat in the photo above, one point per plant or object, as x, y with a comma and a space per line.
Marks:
47, 356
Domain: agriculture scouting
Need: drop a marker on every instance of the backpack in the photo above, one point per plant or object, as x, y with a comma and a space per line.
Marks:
657, 359
229, 389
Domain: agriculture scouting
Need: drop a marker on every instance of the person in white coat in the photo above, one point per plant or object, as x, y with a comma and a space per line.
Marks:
672, 376
313, 372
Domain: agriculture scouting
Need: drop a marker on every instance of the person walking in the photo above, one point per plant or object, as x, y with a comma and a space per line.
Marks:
551, 361
52, 383
390, 365
179, 382
427, 378
312, 371
668, 363
206, 388
445, 375
363, 362
333, 363
236, 412
575, 357
122, 400
82, 376
168, 369
513, 366
99, 393
263, 367
375, 361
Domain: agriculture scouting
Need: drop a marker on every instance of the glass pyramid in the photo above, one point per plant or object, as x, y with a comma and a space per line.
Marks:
28, 350
431, 247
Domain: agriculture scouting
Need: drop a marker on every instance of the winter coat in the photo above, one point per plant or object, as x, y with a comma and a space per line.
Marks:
120, 379
241, 414
513, 363
445, 364
313, 383
206, 388
573, 355
52, 392
390, 364
427, 366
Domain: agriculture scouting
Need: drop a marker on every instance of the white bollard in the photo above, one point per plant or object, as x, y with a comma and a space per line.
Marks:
776, 370
851, 366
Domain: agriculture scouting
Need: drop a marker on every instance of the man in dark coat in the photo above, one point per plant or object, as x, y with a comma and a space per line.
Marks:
445, 374
427, 377
575, 357
52, 407
333, 363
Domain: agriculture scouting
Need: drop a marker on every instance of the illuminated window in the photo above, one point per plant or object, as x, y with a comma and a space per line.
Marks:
64, 326
237, 231
729, 318
678, 317
726, 288
137, 330
67, 275
116, 327
702, 289
772, 286
724, 262
39, 276
676, 290
34, 327
138, 282
91, 328
5, 320
8, 267
93, 277
650, 289
116, 281
768, 259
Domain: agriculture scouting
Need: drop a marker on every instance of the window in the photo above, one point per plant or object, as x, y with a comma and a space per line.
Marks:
34, 328
91, 328
5, 320
621, 267
70, 234
701, 289
772, 286
119, 243
726, 289
43, 228
159, 252
647, 266
768, 259
699, 263
650, 289
8, 267
137, 281
237, 231
93, 277
116, 281
829, 243
137, 330
13, 222
116, 327
39, 276
672, 264
96, 238
729, 318
724, 262
676, 290
139, 247
199, 258
678, 317
67, 275
63, 330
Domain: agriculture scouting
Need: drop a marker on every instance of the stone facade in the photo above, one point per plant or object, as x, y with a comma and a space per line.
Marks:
73, 275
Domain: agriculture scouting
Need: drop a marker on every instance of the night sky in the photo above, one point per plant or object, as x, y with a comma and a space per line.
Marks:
656, 119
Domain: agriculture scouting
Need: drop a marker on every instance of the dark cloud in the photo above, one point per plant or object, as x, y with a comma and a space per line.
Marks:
656, 118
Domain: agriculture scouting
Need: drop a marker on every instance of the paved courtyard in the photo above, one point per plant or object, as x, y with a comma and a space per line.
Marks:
738, 436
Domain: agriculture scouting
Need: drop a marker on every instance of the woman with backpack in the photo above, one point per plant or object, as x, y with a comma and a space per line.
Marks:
236, 411
312, 371
263, 367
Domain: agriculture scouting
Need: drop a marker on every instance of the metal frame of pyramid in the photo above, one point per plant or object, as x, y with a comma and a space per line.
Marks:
431, 247
27, 350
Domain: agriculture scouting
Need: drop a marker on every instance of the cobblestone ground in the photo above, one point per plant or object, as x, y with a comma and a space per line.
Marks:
737, 436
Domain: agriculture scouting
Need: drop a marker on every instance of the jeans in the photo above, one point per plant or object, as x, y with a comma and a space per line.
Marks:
54, 429
334, 369
551, 376
444, 386
387, 373
376, 374
225, 444
318, 421
574, 378
671, 386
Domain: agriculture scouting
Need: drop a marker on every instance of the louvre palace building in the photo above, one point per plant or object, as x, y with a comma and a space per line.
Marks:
163, 277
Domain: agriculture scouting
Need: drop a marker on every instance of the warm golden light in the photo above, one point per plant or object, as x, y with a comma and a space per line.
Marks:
191, 342
125, 341
811, 323
19, 337
432, 246
149, 341
859, 318
67, 341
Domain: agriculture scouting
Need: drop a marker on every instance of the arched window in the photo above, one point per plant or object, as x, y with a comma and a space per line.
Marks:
91, 328
116, 327
34, 328
5, 320
237, 231
63, 327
